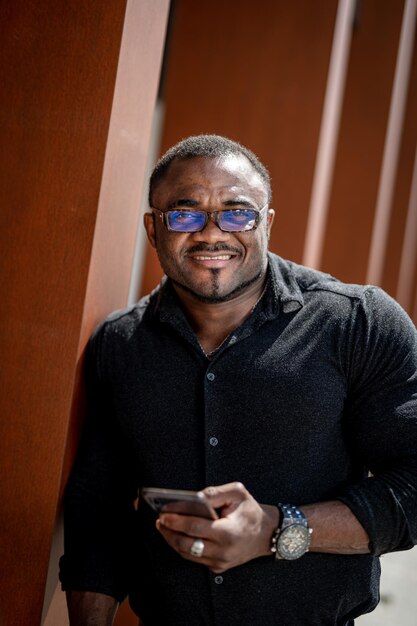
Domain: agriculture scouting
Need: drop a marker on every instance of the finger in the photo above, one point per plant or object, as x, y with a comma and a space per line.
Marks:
217, 558
187, 525
183, 544
226, 495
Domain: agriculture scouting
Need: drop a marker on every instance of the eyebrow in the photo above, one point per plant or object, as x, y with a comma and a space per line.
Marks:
182, 202
188, 202
240, 202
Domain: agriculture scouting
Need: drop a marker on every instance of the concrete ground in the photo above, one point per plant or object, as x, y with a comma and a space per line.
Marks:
398, 606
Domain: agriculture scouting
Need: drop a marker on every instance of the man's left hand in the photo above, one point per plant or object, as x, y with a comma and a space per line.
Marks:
243, 531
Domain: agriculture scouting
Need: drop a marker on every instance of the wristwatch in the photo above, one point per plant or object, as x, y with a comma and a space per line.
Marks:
292, 537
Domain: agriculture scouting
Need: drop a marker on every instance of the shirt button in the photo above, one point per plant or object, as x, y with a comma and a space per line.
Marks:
233, 340
210, 376
218, 580
213, 441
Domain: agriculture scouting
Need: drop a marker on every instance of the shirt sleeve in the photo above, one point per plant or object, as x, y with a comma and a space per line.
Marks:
99, 499
381, 421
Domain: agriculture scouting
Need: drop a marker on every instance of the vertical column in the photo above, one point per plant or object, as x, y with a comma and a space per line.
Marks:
361, 141
329, 133
407, 270
79, 83
392, 145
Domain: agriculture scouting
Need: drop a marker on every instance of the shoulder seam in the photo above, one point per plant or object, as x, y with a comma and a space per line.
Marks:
118, 315
344, 290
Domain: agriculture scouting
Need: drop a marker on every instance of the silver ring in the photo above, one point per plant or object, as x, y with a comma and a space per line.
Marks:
197, 548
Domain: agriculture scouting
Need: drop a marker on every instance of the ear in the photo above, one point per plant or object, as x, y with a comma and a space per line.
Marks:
270, 218
149, 223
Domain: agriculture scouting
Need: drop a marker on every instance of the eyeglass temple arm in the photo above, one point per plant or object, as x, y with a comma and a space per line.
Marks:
158, 212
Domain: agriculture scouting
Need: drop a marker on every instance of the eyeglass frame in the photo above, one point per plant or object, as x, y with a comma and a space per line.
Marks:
210, 215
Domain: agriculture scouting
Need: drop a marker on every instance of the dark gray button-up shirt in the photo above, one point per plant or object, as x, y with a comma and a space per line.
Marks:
315, 390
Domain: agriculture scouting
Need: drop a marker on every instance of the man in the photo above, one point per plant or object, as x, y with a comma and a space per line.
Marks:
288, 397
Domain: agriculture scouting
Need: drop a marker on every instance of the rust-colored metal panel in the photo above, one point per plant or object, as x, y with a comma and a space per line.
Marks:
362, 137
55, 113
256, 73
67, 230
413, 312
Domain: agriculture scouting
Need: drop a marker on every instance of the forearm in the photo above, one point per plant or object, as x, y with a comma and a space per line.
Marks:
336, 530
86, 608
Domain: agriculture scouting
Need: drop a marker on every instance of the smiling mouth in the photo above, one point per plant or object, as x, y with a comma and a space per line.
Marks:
212, 261
219, 257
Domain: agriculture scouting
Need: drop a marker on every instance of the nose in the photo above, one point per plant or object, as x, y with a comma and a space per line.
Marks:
211, 233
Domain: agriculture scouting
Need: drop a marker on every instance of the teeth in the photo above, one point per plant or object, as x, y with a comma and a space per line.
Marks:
221, 257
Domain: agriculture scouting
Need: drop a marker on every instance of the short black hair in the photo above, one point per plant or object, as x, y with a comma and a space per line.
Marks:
212, 146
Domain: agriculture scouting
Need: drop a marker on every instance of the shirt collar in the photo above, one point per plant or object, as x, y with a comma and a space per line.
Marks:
286, 291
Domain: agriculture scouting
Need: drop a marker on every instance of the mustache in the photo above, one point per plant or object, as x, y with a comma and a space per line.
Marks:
218, 247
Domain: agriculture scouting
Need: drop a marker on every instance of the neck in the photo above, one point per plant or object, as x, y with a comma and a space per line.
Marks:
213, 322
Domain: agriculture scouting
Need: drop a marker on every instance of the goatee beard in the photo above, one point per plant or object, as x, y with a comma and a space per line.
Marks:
215, 298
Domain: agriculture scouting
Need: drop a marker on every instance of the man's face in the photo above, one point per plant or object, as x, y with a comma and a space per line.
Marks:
211, 264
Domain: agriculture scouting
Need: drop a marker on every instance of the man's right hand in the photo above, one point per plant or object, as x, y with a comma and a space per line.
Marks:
242, 533
86, 608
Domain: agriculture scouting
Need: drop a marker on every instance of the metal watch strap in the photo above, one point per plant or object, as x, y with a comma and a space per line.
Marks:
290, 516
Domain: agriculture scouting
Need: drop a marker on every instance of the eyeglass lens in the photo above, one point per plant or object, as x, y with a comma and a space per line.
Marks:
192, 221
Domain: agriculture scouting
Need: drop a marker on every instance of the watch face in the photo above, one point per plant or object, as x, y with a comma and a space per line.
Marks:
293, 542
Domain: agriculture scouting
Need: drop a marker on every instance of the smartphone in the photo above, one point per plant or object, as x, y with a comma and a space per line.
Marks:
178, 501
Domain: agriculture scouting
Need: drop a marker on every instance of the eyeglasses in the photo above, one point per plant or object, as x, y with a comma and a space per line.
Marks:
228, 220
